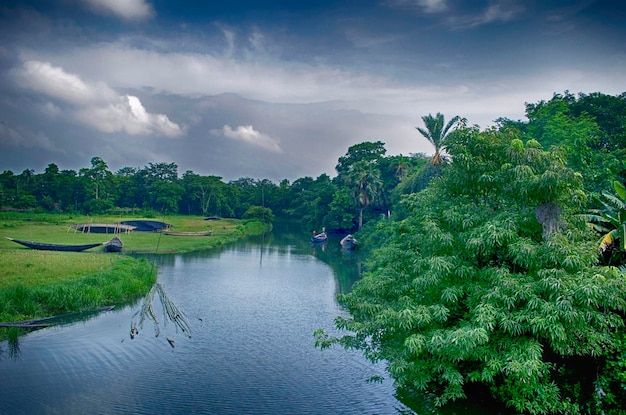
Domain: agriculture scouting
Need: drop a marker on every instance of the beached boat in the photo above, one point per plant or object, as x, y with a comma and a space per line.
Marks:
202, 233
113, 228
114, 245
348, 242
54, 247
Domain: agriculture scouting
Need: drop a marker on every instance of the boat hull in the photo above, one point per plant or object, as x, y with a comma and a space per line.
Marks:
348, 242
54, 247
322, 237
114, 245
203, 233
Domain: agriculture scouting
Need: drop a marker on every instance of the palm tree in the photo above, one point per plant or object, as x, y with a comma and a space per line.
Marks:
366, 184
436, 134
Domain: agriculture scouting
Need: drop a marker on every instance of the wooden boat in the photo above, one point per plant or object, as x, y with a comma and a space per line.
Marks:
54, 247
348, 242
320, 237
145, 225
203, 233
113, 228
114, 245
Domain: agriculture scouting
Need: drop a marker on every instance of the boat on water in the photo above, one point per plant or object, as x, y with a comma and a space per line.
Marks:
319, 237
54, 247
114, 245
202, 233
349, 242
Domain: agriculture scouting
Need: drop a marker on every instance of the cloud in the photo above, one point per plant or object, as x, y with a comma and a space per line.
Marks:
205, 74
247, 134
429, 6
496, 12
93, 104
126, 9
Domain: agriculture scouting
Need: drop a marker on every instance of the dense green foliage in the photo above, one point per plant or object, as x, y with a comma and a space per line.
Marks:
490, 276
490, 279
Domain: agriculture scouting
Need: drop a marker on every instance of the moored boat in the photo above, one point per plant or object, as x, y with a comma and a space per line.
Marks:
320, 237
349, 242
54, 247
201, 233
114, 245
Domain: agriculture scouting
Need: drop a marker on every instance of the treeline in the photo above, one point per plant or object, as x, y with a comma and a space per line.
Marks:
363, 187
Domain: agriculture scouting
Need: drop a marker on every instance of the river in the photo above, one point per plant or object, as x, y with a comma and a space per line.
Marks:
252, 307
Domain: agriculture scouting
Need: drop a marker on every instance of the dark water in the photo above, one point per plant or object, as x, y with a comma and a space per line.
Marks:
252, 307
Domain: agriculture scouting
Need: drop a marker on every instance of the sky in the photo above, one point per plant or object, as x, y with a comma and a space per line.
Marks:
281, 89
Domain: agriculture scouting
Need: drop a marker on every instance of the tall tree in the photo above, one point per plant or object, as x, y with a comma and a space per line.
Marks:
371, 152
366, 185
436, 133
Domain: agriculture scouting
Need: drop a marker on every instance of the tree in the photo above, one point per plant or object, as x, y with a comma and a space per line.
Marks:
260, 213
436, 133
590, 131
340, 213
199, 192
162, 187
367, 151
310, 200
49, 187
165, 196
491, 280
98, 176
365, 185
126, 187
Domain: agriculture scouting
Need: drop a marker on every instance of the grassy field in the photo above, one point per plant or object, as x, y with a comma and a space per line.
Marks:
36, 284
56, 229
56, 283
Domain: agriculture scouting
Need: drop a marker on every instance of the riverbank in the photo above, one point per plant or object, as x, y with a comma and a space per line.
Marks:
36, 284
53, 228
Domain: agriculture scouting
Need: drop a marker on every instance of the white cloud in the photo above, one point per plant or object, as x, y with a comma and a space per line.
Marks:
433, 6
55, 82
93, 104
247, 134
429, 6
126, 9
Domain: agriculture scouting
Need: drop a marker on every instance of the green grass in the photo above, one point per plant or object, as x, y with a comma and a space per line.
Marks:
56, 229
37, 284
39, 294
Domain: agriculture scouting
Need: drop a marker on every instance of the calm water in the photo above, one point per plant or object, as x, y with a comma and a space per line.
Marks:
252, 306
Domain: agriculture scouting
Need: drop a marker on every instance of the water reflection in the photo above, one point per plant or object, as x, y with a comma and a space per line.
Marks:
14, 347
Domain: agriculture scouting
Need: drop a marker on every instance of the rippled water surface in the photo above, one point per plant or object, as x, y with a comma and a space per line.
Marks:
252, 307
